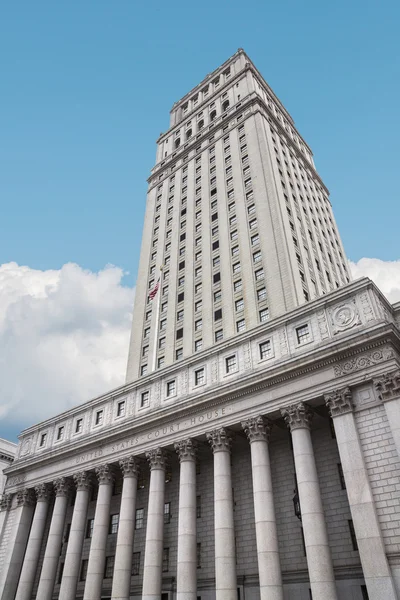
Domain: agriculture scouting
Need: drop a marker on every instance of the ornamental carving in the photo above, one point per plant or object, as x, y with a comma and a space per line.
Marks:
297, 416
186, 449
157, 459
26, 446
388, 385
83, 481
62, 486
220, 440
339, 402
43, 492
129, 466
247, 356
6, 501
26, 497
344, 316
283, 342
362, 361
105, 474
367, 308
257, 428
322, 325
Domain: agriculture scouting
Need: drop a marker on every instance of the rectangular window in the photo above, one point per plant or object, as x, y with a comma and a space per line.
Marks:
109, 567
215, 245
167, 513
219, 335
259, 274
216, 261
89, 528
240, 325
171, 388
43, 439
239, 305
302, 334
145, 400
139, 518
217, 296
261, 294
84, 568
198, 507
60, 432
60, 573
145, 351
79, 425
179, 315
237, 286
235, 251
198, 555
216, 277
251, 209
143, 370
230, 364
218, 314
236, 267
265, 349
253, 224
197, 288
234, 235
121, 409
198, 345
353, 534
161, 343
198, 325
114, 521
264, 315
341, 476
257, 256
165, 560
179, 354
99, 417
199, 377
197, 305
135, 563
179, 333
255, 240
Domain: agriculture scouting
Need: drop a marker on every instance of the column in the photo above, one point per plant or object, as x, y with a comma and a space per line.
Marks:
377, 575
258, 431
76, 536
31, 559
101, 526
225, 556
186, 581
22, 518
126, 530
152, 574
5, 505
388, 388
298, 418
54, 540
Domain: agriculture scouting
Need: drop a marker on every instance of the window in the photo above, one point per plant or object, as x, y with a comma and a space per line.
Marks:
117, 486
179, 354
181, 265
167, 513
265, 349
161, 343
99, 417
259, 274
181, 281
230, 364
135, 563
60, 432
60, 573
239, 305
264, 315
145, 400
179, 333
198, 325
251, 209
84, 568
165, 560
146, 332
143, 370
171, 388
198, 555
219, 335
114, 521
109, 567
218, 314
234, 234
89, 528
121, 409
237, 285
257, 256
216, 277
240, 325
79, 425
145, 351
341, 476
198, 345
139, 518
179, 315
236, 267
197, 305
214, 231
215, 245
232, 221
197, 288
217, 296
199, 377
253, 224
197, 272
255, 240
216, 261
163, 324
198, 507
43, 439
262, 294
302, 334
353, 534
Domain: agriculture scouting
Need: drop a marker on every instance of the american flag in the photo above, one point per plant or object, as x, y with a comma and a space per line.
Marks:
154, 291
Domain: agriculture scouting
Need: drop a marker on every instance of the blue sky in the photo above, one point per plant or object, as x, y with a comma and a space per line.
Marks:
86, 88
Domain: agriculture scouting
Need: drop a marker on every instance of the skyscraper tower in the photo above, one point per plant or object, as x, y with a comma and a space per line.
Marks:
237, 217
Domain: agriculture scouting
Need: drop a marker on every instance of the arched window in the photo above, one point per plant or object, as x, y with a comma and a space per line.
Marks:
225, 105
213, 114
177, 143
200, 124
188, 134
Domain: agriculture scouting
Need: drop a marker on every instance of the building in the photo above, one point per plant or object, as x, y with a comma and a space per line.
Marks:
260, 462
7, 453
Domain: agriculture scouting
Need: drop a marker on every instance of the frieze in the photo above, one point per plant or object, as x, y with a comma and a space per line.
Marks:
362, 361
17, 480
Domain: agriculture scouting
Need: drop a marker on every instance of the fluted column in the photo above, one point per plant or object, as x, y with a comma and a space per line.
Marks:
152, 574
186, 581
298, 418
54, 540
377, 574
225, 555
5, 505
388, 388
97, 555
126, 530
258, 430
77, 533
11, 568
31, 559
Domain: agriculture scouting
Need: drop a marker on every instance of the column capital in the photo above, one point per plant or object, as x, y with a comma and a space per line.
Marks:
6, 501
26, 497
257, 428
129, 466
62, 486
105, 474
83, 480
157, 459
339, 402
388, 385
297, 416
220, 440
43, 492
186, 449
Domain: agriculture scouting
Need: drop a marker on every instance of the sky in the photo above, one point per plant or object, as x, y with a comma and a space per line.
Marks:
85, 90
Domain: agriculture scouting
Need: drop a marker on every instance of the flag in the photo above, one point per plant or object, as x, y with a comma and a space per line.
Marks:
154, 291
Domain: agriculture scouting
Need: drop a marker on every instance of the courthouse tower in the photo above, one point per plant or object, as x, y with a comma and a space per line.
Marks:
236, 215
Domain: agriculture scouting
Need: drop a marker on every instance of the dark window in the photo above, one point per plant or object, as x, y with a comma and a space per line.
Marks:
165, 560
218, 314
182, 237
181, 265
181, 296
198, 555
139, 518
109, 567
89, 528
114, 521
198, 507
60, 573
117, 486
214, 217
167, 513
215, 245
217, 277
352, 534
135, 563
84, 568
341, 476
179, 333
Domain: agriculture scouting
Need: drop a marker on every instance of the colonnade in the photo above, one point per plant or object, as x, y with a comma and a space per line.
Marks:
298, 418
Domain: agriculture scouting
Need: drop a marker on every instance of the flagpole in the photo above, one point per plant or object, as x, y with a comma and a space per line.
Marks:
159, 292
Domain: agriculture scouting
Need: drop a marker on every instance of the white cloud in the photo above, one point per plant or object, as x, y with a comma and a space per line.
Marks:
386, 275
64, 338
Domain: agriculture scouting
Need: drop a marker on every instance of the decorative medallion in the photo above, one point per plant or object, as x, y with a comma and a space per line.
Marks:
344, 316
